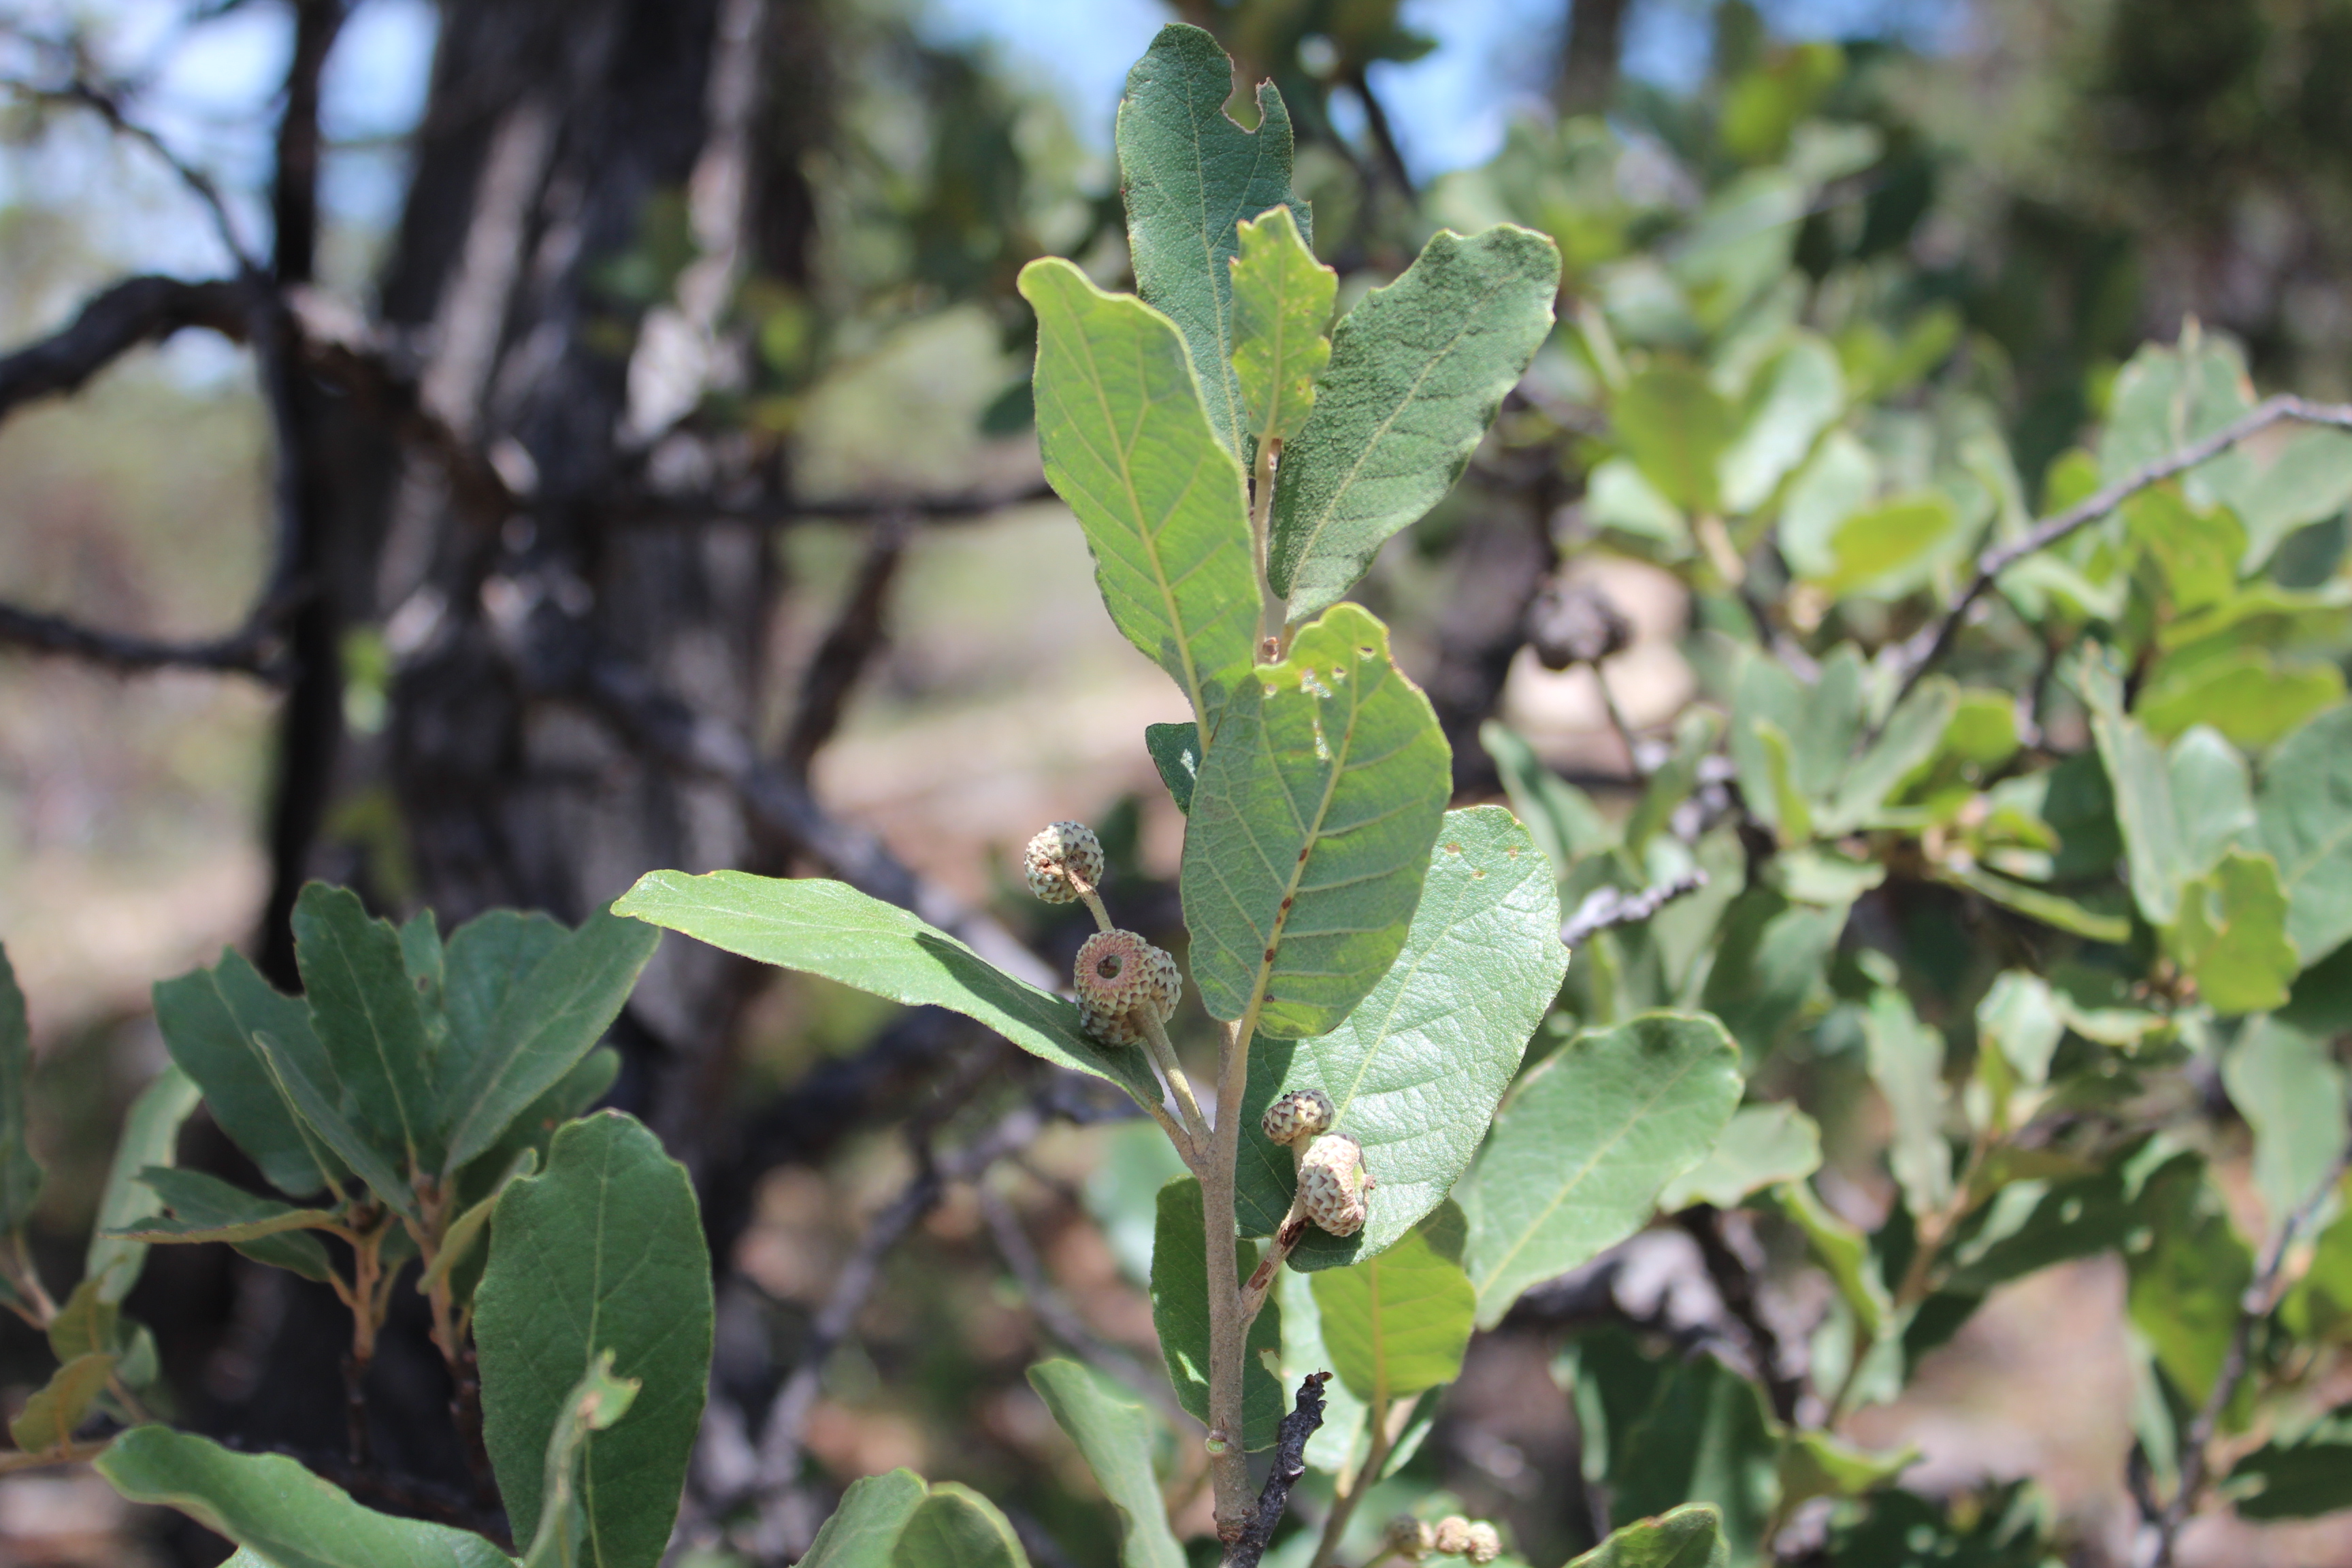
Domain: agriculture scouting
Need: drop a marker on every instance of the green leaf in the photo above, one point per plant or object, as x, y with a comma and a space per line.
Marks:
565, 1527
2197, 550
955, 1527
1695, 733
2187, 1272
1312, 829
1561, 819
547, 1023
1912, 735
1675, 427
1799, 394
1761, 1146
1768, 962
20, 1174
472, 1226
51, 1415
1418, 371
1690, 1536
2297, 1476
205, 1208
2167, 397
1703, 1436
1878, 549
864, 1530
1585, 1145
365, 1012
88, 1323
1907, 1062
831, 929
1844, 1252
150, 1138
2053, 910
2288, 1087
1816, 1464
1191, 175
2304, 479
2213, 794
1397, 1324
2020, 1017
421, 955
1414, 1073
2246, 694
602, 1253
1125, 444
209, 1019
2304, 810
2231, 935
318, 1107
1282, 312
278, 1509
2154, 850
1176, 752
1179, 1314
1333, 1447
487, 958
1791, 816
1114, 1432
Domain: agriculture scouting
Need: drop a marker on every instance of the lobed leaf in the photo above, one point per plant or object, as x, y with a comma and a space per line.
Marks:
1414, 1073
1310, 831
1191, 175
602, 1255
2230, 935
1114, 1432
1128, 445
1585, 1145
831, 929
1281, 315
1418, 370
1761, 1146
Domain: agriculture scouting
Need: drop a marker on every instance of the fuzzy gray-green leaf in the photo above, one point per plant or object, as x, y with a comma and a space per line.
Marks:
150, 1138
209, 1019
1594, 1134
2304, 810
1418, 370
1414, 1073
1127, 444
365, 1010
1179, 1314
20, 1174
1114, 1431
1312, 829
1190, 177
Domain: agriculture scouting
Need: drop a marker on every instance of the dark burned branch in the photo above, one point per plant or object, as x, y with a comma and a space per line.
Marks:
1735, 1284
1933, 641
1606, 909
773, 510
256, 649
134, 311
80, 91
1059, 1318
850, 644
1289, 1463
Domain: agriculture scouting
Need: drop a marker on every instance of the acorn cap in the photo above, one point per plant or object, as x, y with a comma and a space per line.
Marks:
1056, 853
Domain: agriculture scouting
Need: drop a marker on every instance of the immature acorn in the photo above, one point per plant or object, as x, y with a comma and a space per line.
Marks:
1297, 1116
1451, 1538
1062, 856
1486, 1542
1409, 1538
1119, 976
1332, 1182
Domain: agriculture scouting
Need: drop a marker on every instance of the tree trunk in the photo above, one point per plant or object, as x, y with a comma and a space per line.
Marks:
1588, 58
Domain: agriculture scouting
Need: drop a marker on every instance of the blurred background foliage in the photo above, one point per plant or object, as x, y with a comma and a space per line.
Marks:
1948, 224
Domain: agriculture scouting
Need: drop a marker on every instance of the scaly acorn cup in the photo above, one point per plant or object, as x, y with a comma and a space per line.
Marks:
1332, 1182
1119, 978
1486, 1542
1409, 1538
1064, 862
1297, 1117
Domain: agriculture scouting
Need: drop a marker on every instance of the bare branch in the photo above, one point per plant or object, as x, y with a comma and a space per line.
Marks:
778, 511
1606, 909
256, 649
857, 635
132, 312
1932, 642
1304, 1421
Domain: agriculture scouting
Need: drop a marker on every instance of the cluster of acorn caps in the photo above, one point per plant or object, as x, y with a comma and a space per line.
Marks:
1126, 987
1453, 1536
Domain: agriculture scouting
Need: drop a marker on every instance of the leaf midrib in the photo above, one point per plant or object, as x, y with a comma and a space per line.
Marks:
375, 1036
1578, 1178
